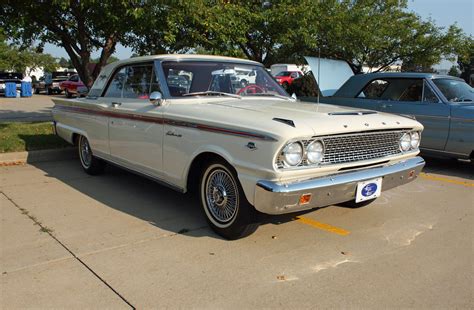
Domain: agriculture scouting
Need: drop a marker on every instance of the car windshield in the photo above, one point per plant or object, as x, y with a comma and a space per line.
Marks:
212, 78
455, 91
284, 73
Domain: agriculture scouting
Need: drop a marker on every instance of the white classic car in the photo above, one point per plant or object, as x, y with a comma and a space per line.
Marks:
246, 149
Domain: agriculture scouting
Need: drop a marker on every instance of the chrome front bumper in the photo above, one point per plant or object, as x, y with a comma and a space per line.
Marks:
278, 198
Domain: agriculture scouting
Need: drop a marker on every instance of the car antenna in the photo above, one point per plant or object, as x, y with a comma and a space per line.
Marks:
319, 77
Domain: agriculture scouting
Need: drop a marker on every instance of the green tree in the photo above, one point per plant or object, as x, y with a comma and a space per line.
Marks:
256, 30
465, 59
12, 58
109, 61
453, 71
79, 26
376, 33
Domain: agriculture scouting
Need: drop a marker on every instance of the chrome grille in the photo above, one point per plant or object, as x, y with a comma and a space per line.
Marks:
355, 147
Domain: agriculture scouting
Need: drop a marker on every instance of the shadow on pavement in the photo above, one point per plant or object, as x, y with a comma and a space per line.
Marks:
135, 195
449, 167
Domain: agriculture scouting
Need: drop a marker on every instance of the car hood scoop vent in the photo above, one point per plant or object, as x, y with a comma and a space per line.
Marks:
353, 113
285, 121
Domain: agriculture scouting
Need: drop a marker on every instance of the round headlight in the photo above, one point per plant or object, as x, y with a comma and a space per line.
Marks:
315, 152
405, 142
415, 139
293, 154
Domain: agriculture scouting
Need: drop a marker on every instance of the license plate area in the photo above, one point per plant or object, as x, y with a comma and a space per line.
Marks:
367, 190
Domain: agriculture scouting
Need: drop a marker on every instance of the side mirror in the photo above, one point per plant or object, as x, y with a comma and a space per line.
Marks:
156, 98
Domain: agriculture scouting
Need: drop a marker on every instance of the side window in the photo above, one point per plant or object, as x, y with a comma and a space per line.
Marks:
116, 84
412, 91
138, 82
74, 78
135, 81
294, 75
374, 90
428, 94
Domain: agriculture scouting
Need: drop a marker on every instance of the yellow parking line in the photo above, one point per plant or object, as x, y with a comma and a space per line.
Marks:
322, 226
441, 179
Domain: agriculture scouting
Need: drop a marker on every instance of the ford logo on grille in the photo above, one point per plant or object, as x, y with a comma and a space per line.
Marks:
369, 189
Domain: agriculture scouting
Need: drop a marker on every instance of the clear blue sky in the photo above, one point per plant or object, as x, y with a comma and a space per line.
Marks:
443, 12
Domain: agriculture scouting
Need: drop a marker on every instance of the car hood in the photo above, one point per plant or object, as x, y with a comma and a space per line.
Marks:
305, 119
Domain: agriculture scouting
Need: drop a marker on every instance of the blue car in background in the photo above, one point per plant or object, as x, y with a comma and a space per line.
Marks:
443, 104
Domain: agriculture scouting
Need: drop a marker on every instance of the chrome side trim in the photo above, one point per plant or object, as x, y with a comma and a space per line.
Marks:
274, 197
161, 120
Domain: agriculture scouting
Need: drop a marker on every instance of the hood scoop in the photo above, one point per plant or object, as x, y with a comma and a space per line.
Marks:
353, 113
288, 122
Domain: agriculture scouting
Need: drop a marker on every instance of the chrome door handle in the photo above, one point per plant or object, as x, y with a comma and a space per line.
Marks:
386, 106
116, 104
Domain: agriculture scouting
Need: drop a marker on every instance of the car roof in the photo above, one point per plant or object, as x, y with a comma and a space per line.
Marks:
356, 82
189, 57
426, 75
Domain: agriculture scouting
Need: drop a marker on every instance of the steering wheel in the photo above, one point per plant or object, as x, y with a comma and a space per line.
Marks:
251, 89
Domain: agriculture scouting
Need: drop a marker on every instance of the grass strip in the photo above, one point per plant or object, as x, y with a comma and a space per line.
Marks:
18, 137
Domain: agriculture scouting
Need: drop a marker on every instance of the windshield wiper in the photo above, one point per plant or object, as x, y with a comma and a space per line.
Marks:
211, 93
269, 95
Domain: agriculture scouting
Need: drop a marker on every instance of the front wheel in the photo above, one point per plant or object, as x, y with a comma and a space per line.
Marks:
91, 164
226, 209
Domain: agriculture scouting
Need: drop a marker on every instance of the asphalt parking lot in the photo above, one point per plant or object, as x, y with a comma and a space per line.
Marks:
118, 240
27, 109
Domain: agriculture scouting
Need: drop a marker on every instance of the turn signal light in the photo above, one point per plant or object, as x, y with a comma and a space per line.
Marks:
305, 199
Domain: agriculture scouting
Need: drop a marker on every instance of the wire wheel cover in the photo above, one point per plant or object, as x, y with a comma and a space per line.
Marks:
221, 195
86, 153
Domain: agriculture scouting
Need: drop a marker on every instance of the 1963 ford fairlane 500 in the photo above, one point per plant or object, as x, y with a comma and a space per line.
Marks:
186, 121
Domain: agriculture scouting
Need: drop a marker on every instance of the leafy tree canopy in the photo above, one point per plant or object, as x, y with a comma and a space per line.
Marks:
79, 26
376, 33
12, 58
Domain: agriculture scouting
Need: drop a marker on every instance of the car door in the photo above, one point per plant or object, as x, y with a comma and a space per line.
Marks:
135, 124
415, 97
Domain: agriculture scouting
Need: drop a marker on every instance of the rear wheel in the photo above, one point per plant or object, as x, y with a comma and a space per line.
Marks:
91, 164
224, 204
37, 90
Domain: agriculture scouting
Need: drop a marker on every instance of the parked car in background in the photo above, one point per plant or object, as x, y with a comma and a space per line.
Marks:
49, 83
71, 85
443, 104
10, 77
245, 77
244, 149
285, 78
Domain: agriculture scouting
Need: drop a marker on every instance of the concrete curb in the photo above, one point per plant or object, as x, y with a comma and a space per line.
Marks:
18, 158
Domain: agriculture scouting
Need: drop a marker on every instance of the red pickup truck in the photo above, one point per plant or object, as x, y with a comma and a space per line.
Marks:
285, 78
70, 86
